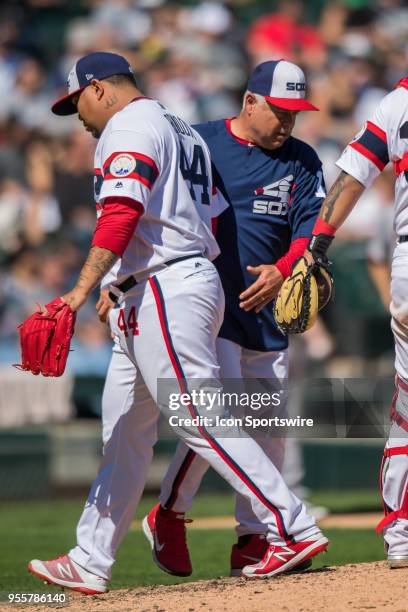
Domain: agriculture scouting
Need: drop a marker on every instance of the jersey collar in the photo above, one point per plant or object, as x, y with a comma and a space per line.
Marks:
248, 143
140, 98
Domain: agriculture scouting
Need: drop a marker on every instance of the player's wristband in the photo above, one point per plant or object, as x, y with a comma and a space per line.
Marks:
322, 237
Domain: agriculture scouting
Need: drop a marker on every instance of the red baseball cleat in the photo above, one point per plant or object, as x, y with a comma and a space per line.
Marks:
280, 559
253, 547
64, 572
166, 532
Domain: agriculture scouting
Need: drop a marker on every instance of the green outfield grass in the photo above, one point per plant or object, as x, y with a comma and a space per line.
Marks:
47, 529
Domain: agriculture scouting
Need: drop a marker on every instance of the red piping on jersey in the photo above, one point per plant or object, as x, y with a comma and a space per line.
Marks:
368, 154
377, 131
296, 250
237, 138
117, 224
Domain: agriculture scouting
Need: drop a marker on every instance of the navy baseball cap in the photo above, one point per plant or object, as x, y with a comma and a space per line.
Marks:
282, 84
100, 65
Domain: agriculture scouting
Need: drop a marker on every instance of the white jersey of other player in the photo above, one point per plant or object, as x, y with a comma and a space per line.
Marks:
147, 154
384, 138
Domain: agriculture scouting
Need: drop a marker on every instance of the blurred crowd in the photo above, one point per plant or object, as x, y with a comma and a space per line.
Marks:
195, 58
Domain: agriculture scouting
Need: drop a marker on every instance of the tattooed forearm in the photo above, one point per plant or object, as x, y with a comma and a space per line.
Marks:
332, 196
340, 200
111, 101
98, 263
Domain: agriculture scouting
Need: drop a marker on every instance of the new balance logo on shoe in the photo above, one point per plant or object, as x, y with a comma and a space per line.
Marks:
280, 559
284, 553
65, 570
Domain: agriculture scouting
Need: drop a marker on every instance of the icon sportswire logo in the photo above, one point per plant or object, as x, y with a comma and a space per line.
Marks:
274, 198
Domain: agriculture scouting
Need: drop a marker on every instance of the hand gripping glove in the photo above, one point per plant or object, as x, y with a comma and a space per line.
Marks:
45, 338
306, 291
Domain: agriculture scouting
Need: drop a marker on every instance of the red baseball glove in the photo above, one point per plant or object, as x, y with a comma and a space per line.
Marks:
45, 338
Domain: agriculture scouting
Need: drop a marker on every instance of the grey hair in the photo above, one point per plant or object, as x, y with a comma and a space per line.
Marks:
260, 99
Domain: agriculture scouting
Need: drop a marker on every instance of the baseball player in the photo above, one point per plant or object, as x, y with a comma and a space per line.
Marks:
153, 248
383, 138
274, 184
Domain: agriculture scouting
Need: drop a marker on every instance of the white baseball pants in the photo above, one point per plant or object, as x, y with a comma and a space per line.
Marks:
186, 470
166, 327
394, 468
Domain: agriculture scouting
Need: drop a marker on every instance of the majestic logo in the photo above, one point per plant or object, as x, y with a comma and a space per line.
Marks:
295, 86
118, 185
122, 165
275, 197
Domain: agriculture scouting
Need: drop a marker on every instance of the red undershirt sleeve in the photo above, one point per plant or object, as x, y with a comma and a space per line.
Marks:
296, 250
117, 224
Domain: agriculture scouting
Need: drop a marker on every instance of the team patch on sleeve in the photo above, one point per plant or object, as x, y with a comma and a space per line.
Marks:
130, 165
372, 143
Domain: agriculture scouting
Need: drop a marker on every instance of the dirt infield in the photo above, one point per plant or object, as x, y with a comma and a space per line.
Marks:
367, 586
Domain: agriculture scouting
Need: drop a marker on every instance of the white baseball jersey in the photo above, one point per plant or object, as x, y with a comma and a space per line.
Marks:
384, 138
147, 154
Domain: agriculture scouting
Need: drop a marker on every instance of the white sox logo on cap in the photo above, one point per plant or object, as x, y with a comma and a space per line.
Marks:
282, 84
